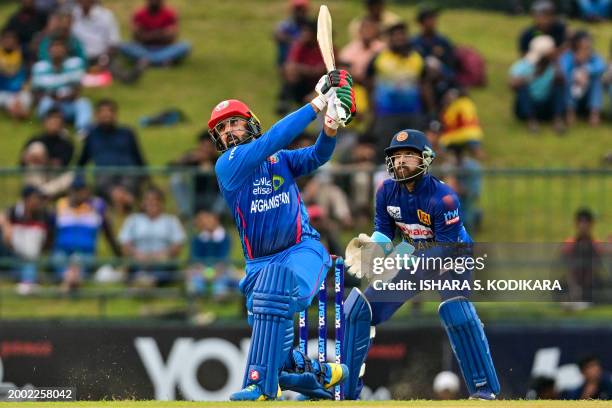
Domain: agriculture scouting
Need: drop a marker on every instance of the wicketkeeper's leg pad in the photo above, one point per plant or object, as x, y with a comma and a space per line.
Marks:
274, 303
469, 343
358, 335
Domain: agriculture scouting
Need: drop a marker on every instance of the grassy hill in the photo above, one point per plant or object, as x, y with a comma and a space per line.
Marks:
233, 57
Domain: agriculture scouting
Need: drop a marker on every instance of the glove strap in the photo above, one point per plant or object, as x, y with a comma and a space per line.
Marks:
320, 102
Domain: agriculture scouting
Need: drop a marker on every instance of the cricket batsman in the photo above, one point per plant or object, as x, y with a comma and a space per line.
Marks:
285, 262
426, 212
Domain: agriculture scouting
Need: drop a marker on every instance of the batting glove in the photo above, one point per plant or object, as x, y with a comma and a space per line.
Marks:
341, 108
328, 82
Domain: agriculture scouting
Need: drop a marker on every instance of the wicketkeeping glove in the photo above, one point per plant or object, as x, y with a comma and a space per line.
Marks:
327, 83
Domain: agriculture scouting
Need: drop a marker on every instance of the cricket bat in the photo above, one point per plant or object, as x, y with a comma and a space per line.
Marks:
326, 46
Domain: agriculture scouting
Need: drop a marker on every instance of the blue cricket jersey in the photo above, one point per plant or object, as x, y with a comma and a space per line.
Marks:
257, 180
429, 214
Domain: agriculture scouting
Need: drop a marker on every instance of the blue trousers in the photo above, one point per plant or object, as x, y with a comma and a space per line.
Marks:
156, 55
78, 111
310, 262
591, 100
526, 107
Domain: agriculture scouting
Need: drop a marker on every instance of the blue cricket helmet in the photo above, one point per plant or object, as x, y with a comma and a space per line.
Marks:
409, 139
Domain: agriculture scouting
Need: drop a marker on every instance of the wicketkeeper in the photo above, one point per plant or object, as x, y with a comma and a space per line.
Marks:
426, 212
285, 262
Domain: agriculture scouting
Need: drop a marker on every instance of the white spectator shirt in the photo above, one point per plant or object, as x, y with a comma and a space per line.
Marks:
98, 31
151, 235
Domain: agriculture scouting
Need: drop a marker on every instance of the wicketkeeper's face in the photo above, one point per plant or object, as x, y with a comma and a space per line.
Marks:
231, 131
407, 162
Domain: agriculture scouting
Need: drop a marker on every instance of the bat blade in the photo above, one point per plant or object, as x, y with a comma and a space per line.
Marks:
324, 38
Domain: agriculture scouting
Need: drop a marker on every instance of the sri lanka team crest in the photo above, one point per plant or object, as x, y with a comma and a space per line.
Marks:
424, 218
273, 159
401, 136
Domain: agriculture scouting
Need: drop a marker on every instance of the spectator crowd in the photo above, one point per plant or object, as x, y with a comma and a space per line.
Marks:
559, 76
407, 74
49, 52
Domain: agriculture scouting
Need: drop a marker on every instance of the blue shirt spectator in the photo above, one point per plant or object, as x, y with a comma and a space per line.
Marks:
115, 146
78, 224
430, 43
289, 29
594, 10
541, 83
210, 257
213, 243
108, 143
583, 69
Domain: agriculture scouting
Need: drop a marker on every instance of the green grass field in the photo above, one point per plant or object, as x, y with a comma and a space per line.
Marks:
362, 404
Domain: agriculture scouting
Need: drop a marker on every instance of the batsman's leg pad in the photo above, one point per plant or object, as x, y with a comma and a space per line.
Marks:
469, 343
358, 334
274, 303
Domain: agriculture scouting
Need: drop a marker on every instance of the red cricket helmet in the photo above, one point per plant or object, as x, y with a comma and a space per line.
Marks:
228, 109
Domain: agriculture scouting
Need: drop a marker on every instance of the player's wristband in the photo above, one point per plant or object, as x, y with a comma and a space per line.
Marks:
320, 102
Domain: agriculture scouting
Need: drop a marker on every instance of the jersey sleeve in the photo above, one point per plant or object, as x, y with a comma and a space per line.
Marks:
447, 230
447, 221
383, 222
306, 160
240, 161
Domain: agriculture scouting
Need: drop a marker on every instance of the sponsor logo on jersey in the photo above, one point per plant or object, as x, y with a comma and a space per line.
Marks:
424, 218
415, 231
263, 205
394, 212
451, 217
273, 159
231, 156
262, 185
277, 182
